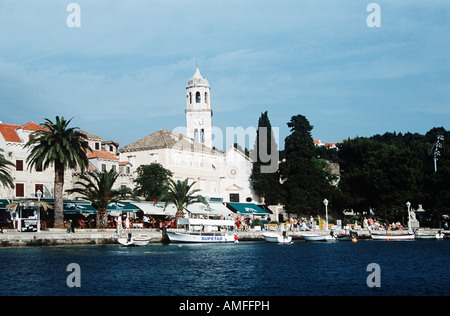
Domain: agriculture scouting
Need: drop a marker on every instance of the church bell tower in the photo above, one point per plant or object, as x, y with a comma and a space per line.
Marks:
198, 109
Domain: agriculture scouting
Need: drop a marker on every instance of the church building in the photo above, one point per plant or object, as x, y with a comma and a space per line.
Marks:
217, 174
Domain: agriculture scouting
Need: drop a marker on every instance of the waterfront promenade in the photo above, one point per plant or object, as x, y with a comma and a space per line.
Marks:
109, 236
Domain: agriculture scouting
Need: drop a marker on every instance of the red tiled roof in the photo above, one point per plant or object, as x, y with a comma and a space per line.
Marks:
32, 126
8, 132
101, 155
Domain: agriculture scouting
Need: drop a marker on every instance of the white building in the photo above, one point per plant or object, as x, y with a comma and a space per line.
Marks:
224, 175
27, 181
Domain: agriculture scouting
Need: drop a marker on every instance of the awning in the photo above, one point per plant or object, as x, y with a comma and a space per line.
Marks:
3, 203
156, 208
121, 207
219, 209
246, 208
71, 207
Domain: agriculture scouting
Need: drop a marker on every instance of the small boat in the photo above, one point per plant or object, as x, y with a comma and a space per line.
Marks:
203, 231
388, 237
130, 241
419, 235
317, 237
273, 237
446, 234
351, 236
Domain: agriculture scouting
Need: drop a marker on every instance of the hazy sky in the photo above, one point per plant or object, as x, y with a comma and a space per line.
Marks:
122, 75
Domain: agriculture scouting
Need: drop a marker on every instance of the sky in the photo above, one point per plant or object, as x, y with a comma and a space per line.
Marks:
122, 73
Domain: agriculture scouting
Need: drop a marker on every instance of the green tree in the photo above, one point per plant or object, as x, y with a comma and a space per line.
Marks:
5, 177
383, 172
97, 187
266, 185
181, 194
305, 180
62, 147
150, 180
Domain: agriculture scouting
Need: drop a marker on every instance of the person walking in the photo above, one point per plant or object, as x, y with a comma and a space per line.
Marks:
119, 223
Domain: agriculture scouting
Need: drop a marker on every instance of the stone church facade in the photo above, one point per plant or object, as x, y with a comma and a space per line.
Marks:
217, 174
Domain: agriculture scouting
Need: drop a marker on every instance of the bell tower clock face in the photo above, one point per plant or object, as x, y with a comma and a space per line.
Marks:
199, 121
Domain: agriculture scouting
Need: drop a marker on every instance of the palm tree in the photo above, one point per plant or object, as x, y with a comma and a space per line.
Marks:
5, 177
181, 194
62, 147
97, 187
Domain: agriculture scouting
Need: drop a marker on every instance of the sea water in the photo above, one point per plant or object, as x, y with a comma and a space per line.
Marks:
242, 269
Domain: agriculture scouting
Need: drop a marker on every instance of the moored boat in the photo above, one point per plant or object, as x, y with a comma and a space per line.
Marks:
318, 237
203, 231
392, 236
140, 240
277, 238
421, 235
351, 236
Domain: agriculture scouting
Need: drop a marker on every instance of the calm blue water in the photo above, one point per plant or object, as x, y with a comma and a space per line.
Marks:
247, 268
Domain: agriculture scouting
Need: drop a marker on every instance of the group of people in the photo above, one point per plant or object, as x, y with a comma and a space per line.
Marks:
242, 224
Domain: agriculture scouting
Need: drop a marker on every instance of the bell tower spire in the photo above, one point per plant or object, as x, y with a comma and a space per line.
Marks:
198, 109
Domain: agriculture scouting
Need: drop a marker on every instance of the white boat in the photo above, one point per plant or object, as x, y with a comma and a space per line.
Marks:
392, 236
419, 235
203, 231
317, 237
277, 238
140, 240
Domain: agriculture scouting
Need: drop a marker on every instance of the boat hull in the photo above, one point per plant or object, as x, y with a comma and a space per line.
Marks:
192, 238
275, 238
346, 238
392, 237
318, 237
135, 241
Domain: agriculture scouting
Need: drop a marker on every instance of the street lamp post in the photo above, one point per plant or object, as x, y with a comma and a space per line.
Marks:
325, 202
39, 195
408, 205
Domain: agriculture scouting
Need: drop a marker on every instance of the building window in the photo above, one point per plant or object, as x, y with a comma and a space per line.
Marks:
177, 159
189, 161
113, 168
202, 162
97, 146
38, 187
20, 190
111, 148
214, 186
234, 197
190, 97
196, 135
197, 97
19, 165
206, 97
39, 168
203, 186
128, 170
153, 158
202, 136
103, 167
